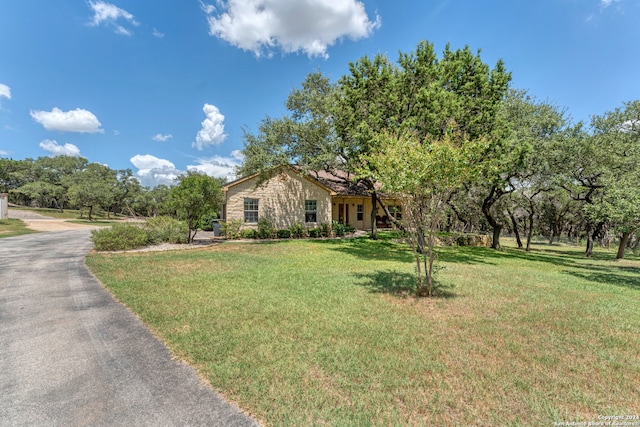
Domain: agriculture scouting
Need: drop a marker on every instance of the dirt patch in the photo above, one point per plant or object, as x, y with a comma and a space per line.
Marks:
38, 222
54, 225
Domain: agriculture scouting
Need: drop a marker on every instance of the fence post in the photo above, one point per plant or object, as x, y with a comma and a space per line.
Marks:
4, 206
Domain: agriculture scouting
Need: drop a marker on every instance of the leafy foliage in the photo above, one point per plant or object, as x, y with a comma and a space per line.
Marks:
266, 229
166, 229
297, 230
423, 174
195, 195
119, 237
231, 229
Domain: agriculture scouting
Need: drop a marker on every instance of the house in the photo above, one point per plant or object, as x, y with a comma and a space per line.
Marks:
291, 196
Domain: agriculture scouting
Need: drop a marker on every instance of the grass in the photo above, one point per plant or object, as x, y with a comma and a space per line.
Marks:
13, 227
73, 214
325, 332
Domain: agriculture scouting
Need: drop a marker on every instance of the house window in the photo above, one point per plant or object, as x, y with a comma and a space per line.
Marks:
251, 210
396, 212
310, 211
360, 212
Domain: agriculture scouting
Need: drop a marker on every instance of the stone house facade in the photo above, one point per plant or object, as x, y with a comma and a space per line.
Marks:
291, 196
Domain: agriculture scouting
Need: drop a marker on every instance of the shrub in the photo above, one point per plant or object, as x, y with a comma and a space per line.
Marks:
231, 229
284, 234
314, 233
297, 230
166, 229
249, 233
206, 221
325, 229
339, 228
119, 237
266, 230
463, 239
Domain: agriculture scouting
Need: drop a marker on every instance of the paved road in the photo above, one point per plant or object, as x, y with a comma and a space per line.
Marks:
71, 356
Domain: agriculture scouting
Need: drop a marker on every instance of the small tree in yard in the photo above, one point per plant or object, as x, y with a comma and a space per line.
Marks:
195, 195
423, 174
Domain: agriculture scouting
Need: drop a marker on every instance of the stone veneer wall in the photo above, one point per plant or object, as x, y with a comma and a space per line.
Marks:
281, 200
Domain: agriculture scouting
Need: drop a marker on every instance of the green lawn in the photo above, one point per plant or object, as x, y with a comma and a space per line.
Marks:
325, 332
66, 214
13, 227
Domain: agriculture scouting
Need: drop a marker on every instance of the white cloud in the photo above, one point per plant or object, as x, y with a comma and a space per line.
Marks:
218, 166
77, 120
212, 132
629, 126
309, 26
153, 171
59, 150
5, 91
161, 138
157, 33
4, 153
607, 3
109, 14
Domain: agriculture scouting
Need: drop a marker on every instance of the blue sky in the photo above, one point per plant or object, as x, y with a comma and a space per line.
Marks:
164, 86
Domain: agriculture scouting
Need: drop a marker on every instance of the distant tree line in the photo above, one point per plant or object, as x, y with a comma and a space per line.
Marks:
66, 182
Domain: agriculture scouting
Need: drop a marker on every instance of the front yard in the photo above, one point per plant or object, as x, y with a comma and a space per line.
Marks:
326, 332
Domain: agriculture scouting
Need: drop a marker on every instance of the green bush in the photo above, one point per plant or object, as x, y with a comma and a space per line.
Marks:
284, 234
463, 239
249, 233
266, 230
339, 228
297, 230
166, 229
120, 237
231, 229
325, 230
206, 221
314, 233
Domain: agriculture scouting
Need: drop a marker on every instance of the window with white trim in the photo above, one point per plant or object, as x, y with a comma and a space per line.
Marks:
251, 210
310, 211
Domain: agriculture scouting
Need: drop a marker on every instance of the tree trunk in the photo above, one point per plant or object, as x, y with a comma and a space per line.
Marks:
374, 211
90, 212
624, 241
514, 224
530, 232
487, 203
589, 251
592, 235
495, 244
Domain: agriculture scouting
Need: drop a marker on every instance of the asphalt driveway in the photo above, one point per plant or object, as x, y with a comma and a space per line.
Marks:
72, 356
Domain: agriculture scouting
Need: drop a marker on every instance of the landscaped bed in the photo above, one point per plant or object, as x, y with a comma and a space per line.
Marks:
301, 332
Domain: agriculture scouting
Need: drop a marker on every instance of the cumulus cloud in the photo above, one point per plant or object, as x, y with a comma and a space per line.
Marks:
5, 91
309, 26
59, 150
212, 132
218, 166
77, 120
153, 171
110, 15
162, 138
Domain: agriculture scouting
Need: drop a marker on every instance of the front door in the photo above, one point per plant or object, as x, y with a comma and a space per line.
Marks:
343, 213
